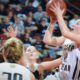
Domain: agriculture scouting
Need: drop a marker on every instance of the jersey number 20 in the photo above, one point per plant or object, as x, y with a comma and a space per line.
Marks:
16, 76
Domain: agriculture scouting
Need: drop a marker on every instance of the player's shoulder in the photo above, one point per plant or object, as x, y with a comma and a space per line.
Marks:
15, 70
13, 65
4, 64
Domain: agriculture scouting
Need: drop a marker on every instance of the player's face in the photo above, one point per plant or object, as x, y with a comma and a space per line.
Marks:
31, 54
77, 28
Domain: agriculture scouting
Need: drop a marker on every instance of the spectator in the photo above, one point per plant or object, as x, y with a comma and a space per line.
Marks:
18, 9
39, 14
5, 24
4, 1
72, 22
41, 27
10, 15
18, 26
35, 3
30, 24
2, 11
29, 8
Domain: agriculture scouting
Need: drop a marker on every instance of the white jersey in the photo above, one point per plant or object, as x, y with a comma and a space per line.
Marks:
34, 68
69, 65
12, 71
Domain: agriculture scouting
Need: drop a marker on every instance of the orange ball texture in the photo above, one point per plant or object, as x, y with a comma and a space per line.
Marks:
51, 2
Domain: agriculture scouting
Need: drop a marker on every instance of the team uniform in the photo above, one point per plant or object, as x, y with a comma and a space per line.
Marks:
35, 71
12, 71
70, 67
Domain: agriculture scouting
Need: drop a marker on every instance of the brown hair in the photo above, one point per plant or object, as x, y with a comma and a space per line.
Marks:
13, 49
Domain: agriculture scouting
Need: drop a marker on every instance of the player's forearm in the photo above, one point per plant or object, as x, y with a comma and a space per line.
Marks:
51, 27
63, 27
48, 33
51, 64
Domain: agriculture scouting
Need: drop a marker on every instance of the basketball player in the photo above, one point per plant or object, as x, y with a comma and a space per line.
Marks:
37, 68
69, 68
14, 67
31, 60
31, 54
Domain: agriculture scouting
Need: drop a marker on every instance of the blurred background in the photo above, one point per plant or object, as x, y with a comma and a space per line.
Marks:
29, 20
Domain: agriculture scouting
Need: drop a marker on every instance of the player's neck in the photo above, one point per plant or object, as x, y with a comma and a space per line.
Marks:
22, 62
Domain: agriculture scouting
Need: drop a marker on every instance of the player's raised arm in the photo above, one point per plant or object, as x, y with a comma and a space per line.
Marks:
49, 38
50, 64
74, 36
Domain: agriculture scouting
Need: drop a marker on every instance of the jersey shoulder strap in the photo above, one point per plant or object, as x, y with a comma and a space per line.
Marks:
76, 75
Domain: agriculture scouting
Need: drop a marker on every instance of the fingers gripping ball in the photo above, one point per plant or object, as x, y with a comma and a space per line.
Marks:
52, 2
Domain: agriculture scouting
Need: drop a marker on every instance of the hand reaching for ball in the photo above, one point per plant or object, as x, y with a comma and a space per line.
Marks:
56, 9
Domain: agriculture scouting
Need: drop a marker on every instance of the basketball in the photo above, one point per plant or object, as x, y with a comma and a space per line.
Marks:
51, 2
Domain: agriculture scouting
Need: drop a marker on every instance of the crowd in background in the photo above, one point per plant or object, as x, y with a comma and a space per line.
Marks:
29, 20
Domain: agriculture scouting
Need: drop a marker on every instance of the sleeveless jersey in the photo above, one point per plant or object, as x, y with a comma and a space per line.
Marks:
67, 69
35, 70
12, 71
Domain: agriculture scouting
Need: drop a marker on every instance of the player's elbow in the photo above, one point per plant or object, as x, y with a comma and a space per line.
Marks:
66, 33
47, 41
